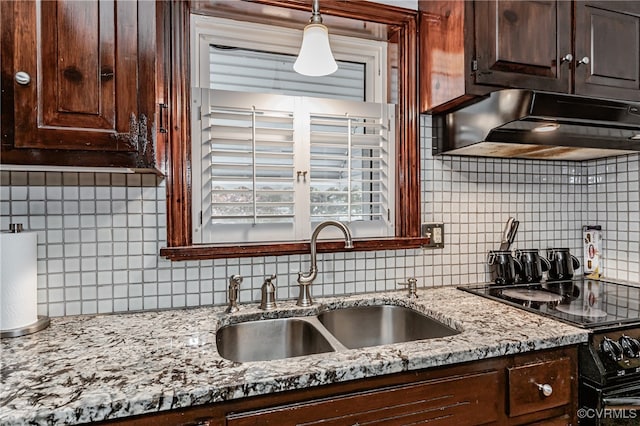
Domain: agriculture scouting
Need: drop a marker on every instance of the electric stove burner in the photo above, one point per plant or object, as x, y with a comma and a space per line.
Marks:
588, 303
529, 295
582, 312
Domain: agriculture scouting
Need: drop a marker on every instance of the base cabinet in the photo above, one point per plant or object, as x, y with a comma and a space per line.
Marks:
464, 400
498, 391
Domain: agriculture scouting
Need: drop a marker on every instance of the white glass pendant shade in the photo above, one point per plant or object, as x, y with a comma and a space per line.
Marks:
315, 58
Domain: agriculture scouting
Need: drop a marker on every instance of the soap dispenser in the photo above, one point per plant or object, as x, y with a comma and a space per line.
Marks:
268, 301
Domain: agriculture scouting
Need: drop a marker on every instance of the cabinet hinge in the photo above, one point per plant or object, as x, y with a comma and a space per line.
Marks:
474, 65
162, 127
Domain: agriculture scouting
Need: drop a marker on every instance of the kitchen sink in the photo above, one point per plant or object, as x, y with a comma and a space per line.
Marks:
365, 326
267, 340
336, 330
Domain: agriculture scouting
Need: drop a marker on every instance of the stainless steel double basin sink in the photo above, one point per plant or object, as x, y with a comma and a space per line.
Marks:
329, 331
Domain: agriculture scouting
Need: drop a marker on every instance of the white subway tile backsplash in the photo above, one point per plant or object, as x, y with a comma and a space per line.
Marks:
99, 234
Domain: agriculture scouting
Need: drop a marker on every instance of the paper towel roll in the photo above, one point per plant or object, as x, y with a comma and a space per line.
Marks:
18, 280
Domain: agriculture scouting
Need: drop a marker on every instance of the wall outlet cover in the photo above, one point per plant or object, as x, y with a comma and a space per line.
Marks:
434, 232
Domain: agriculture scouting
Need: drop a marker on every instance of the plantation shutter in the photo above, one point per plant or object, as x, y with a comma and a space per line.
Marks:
351, 172
270, 167
246, 167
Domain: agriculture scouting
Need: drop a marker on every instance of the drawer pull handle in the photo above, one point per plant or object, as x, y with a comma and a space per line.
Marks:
546, 389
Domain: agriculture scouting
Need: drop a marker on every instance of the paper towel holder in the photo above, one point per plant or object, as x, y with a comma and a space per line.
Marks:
41, 323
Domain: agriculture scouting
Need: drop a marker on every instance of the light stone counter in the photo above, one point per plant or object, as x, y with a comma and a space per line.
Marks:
90, 368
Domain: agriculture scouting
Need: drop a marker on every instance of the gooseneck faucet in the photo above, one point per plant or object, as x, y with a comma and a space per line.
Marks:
305, 280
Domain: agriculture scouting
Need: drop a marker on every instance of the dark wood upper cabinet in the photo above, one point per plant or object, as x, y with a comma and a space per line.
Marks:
79, 83
522, 43
470, 48
608, 40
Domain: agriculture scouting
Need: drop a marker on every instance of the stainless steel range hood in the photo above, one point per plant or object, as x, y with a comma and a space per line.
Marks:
517, 123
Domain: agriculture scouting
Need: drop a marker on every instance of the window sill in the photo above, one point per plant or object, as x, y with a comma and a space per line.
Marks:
203, 252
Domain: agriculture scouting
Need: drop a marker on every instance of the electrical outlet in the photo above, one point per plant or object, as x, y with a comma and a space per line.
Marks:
434, 232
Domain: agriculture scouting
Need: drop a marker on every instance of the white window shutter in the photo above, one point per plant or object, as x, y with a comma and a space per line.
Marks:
246, 167
270, 167
352, 175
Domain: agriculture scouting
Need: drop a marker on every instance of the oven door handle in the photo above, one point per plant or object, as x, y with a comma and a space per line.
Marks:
621, 401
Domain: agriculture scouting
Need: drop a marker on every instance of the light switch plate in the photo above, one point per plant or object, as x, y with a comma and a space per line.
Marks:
435, 233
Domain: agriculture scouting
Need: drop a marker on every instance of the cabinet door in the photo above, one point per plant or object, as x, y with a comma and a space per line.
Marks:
466, 400
608, 40
72, 79
521, 44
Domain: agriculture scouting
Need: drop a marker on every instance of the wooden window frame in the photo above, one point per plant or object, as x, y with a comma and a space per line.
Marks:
403, 25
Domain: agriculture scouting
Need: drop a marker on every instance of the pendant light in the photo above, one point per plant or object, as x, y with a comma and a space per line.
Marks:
315, 58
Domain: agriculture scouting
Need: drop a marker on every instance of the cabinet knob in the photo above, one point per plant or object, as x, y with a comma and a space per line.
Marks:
567, 58
546, 389
584, 60
22, 78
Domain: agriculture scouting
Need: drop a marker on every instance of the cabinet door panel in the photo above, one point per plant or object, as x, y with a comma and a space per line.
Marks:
466, 400
521, 44
608, 33
81, 57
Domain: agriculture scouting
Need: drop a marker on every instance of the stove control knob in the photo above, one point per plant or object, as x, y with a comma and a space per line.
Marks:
612, 349
630, 346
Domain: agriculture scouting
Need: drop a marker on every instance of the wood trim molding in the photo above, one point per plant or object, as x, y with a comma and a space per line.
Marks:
178, 154
249, 250
403, 30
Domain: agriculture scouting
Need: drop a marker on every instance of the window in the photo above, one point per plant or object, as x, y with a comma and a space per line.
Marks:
242, 56
396, 26
269, 166
249, 70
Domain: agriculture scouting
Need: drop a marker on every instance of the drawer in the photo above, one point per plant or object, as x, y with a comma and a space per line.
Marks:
524, 394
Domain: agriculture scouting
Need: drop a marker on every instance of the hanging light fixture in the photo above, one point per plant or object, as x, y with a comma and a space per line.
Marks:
315, 58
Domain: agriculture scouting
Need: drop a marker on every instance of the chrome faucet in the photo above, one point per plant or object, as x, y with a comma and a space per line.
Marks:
234, 293
305, 280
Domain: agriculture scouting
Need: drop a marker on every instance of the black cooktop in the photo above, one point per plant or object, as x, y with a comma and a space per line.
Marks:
581, 302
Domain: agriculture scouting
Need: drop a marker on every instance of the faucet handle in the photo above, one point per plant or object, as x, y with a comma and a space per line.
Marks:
234, 293
412, 285
268, 300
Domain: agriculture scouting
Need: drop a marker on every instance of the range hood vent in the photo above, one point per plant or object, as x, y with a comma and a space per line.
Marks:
517, 123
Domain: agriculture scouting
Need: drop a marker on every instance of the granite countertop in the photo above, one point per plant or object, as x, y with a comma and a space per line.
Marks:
90, 368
